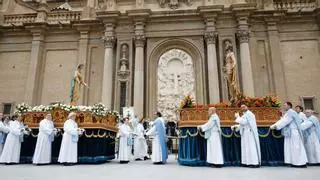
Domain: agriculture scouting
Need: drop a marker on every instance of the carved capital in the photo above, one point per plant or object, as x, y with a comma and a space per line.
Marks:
109, 41
139, 40
210, 37
243, 36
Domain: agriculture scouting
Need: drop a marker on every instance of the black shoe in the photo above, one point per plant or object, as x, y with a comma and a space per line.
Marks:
216, 165
69, 164
300, 166
138, 159
158, 163
146, 158
124, 162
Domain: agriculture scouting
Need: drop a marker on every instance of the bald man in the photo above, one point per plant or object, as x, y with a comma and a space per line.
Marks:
213, 135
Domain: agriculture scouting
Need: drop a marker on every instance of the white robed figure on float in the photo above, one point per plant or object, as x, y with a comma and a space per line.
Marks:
159, 142
311, 132
213, 136
12, 146
250, 144
125, 142
290, 126
140, 144
69, 145
42, 153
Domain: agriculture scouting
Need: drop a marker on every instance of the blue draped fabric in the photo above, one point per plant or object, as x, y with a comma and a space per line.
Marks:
90, 150
192, 150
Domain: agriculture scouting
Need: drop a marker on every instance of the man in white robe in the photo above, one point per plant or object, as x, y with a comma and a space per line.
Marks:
250, 144
311, 131
68, 154
159, 142
290, 126
299, 110
12, 146
4, 130
42, 153
124, 142
140, 144
213, 135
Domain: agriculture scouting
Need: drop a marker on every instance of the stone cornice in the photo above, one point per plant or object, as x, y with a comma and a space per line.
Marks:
108, 16
243, 9
139, 14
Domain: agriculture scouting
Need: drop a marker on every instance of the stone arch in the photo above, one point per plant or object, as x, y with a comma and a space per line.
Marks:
152, 67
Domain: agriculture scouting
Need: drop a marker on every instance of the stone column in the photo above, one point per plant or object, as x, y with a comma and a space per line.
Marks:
213, 77
83, 58
32, 84
278, 84
245, 59
139, 39
107, 83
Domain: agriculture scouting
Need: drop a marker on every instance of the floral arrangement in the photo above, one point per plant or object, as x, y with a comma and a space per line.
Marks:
22, 108
219, 105
99, 109
187, 102
268, 101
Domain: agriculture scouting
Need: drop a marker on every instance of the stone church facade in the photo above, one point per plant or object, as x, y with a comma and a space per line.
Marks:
150, 53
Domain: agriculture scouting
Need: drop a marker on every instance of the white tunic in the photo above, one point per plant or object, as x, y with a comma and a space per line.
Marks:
250, 145
140, 144
124, 150
312, 141
4, 130
213, 136
69, 145
302, 116
42, 153
12, 146
294, 151
156, 147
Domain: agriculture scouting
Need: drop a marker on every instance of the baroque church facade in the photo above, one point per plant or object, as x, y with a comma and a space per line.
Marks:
150, 53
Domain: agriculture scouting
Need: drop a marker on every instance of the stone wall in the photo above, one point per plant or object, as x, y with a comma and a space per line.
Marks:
283, 53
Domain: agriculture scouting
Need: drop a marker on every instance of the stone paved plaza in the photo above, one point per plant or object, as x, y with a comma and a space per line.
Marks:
144, 170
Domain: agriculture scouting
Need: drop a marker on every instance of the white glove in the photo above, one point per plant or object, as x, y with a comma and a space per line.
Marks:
236, 115
273, 126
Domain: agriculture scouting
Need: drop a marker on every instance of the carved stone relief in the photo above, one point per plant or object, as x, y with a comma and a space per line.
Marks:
175, 80
174, 4
124, 61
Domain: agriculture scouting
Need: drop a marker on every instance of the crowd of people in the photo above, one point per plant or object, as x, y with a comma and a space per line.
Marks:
300, 129
301, 133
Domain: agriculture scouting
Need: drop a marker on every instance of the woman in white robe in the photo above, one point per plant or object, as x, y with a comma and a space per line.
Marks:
250, 144
159, 146
140, 144
290, 126
124, 142
12, 146
42, 153
311, 131
213, 135
69, 145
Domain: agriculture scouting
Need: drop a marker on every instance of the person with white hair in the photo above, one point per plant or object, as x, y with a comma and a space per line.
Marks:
69, 146
12, 146
42, 153
311, 132
213, 135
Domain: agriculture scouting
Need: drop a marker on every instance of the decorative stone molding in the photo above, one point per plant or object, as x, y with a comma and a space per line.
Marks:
139, 40
210, 36
243, 36
139, 34
174, 4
